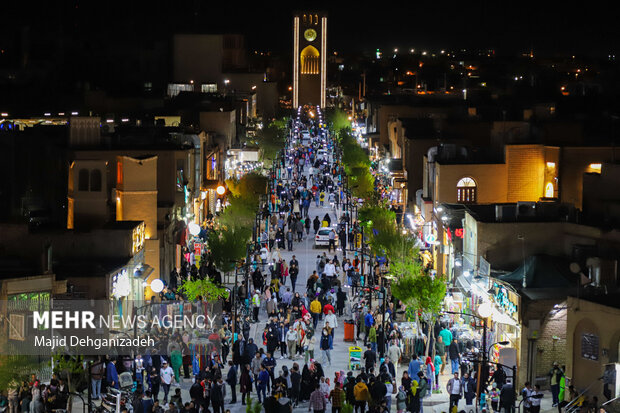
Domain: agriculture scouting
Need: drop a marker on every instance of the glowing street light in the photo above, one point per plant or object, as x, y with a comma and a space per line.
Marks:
220, 190
157, 286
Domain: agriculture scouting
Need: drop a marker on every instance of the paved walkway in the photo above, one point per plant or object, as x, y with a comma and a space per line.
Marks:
306, 255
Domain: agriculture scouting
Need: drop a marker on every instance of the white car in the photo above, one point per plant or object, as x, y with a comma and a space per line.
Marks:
321, 239
322, 153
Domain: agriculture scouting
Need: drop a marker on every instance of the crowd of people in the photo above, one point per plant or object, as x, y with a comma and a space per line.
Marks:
301, 324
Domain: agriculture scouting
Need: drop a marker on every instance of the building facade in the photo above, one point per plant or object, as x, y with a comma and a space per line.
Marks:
309, 58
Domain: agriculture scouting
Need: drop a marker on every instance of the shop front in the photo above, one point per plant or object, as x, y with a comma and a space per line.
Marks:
127, 285
486, 306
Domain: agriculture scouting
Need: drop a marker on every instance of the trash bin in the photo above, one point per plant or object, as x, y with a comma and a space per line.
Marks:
349, 331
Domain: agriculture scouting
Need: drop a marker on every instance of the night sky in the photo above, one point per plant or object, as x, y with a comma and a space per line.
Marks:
507, 26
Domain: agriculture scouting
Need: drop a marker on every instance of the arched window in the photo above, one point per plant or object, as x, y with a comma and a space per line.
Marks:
95, 180
310, 62
549, 190
83, 180
316, 19
466, 191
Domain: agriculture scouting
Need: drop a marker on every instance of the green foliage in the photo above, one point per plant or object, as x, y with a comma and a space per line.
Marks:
203, 288
240, 212
15, 369
271, 139
71, 367
250, 186
417, 290
347, 408
228, 244
383, 236
338, 121
253, 406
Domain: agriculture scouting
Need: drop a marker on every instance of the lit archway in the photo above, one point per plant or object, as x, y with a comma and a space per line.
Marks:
549, 190
310, 62
466, 191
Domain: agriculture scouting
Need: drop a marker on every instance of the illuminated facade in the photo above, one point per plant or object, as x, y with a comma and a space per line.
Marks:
309, 58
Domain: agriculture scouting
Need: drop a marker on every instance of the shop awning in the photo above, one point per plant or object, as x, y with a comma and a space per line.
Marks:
542, 271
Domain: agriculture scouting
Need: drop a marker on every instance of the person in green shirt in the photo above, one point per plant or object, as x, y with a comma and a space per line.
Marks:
440, 351
372, 337
562, 386
176, 359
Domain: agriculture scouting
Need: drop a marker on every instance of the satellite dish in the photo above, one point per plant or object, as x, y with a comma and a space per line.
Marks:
574, 268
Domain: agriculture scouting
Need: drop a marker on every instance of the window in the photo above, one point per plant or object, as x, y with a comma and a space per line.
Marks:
83, 177
466, 191
549, 190
119, 173
595, 167
589, 346
310, 61
208, 88
95, 180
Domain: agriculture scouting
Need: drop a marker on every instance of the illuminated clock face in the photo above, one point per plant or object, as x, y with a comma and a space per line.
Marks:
310, 34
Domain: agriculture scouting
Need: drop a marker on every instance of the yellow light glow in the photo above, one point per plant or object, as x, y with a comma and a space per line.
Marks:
596, 167
220, 190
549, 191
550, 164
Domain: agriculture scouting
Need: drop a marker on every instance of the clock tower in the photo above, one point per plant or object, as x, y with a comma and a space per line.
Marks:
309, 58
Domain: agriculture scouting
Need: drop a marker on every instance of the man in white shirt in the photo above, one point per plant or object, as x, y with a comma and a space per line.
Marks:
535, 399
455, 390
526, 393
332, 320
330, 269
167, 375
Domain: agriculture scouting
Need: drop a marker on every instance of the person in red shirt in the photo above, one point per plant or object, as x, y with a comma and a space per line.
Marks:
327, 307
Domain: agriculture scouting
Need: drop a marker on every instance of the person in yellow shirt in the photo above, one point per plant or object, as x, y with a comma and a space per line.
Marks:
361, 394
315, 310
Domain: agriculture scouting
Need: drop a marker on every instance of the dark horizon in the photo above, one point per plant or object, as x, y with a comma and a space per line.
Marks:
546, 28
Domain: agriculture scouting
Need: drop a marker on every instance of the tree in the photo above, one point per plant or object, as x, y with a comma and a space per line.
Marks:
420, 292
72, 368
15, 369
228, 245
204, 288
271, 139
339, 121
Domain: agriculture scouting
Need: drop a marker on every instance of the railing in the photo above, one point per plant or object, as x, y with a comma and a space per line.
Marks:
572, 406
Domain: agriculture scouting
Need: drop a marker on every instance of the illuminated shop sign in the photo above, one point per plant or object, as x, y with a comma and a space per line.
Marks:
505, 299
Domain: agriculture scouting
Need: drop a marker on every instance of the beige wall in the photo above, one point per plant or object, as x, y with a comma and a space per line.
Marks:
490, 180
137, 193
585, 317
525, 172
